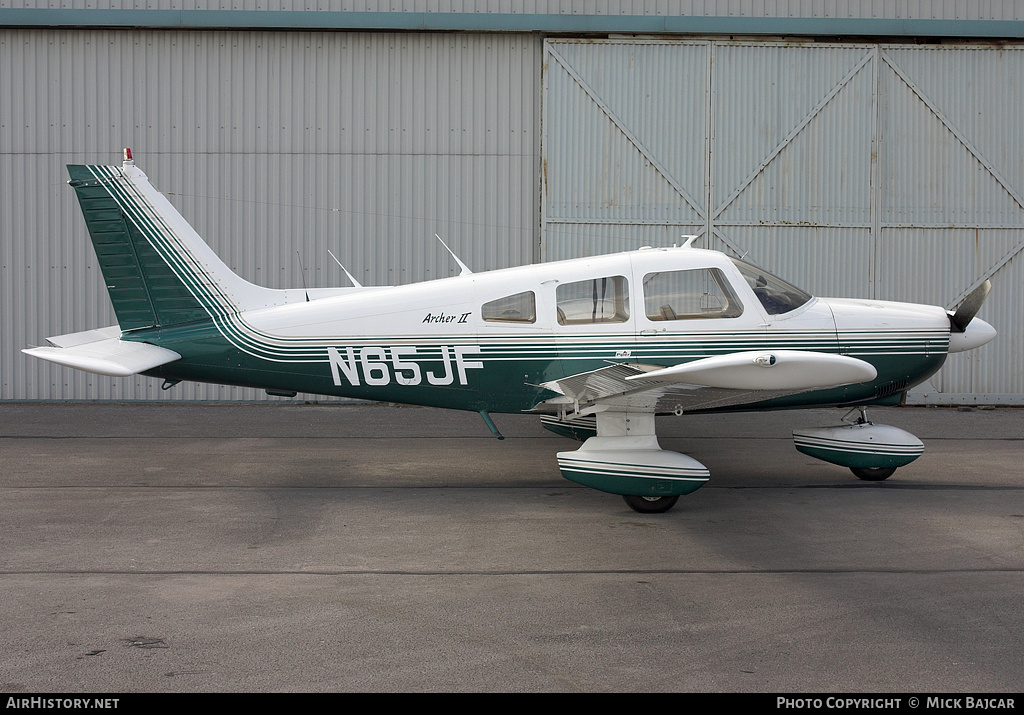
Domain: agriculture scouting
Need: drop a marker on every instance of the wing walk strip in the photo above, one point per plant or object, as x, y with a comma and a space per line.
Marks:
206, 290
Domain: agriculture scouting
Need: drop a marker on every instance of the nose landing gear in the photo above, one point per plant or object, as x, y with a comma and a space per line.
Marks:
872, 452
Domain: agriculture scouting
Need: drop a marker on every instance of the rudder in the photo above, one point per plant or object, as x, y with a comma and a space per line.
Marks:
157, 269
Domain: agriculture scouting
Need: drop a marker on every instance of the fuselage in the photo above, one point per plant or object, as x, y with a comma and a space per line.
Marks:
488, 341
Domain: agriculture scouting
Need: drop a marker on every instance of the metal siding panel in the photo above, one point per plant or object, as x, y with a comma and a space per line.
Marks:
799, 109
575, 240
625, 134
649, 88
894, 9
975, 92
276, 146
256, 92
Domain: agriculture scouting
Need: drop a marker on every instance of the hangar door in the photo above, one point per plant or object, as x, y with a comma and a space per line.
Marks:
856, 170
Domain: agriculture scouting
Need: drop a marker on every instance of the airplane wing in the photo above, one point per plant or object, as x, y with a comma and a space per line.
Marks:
102, 351
717, 381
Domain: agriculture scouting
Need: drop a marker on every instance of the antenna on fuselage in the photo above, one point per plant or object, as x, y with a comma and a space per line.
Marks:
463, 266
690, 238
356, 283
302, 271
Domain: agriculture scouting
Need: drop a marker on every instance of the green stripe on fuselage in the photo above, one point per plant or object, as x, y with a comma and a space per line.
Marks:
507, 381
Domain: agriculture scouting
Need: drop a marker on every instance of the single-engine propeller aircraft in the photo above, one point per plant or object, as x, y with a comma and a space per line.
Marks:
597, 347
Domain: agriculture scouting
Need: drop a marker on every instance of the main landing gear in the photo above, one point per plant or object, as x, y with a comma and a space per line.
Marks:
625, 458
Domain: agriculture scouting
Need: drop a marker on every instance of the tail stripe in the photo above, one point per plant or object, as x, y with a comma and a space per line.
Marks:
194, 276
201, 285
163, 239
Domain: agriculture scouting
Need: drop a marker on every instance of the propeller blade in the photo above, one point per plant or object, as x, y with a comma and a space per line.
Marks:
969, 308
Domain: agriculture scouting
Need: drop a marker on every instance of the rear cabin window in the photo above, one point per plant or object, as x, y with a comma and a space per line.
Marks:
518, 308
688, 295
599, 300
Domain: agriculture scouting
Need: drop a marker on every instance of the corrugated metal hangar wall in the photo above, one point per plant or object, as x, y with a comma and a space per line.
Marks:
875, 169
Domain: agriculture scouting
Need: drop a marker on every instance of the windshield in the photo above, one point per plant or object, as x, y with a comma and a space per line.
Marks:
776, 295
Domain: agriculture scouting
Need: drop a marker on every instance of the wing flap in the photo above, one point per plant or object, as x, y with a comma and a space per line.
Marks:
596, 384
103, 352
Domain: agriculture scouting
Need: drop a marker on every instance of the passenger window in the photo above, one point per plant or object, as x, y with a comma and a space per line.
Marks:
688, 295
601, 300
518, 308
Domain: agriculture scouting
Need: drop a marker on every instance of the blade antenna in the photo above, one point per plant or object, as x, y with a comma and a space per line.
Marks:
463, 266
356, 283
302, 269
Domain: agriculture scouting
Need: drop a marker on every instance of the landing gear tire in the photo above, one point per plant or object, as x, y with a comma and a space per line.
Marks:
650, 505
875, 474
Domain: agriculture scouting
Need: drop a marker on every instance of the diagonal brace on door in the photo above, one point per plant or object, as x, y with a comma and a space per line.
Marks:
647, 154
793, 134
989, 167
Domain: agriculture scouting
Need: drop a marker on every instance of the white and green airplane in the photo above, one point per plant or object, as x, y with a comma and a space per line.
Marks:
596, 346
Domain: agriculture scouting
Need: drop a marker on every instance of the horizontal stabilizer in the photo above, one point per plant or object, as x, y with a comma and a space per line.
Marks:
103, 352
767, 370
86, 336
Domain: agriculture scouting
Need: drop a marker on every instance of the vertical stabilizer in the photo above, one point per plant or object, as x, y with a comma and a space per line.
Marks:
157, 269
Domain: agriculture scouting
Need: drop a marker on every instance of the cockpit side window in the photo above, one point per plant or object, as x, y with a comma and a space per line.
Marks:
776, 295
599, 300
689, 295
518, 308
